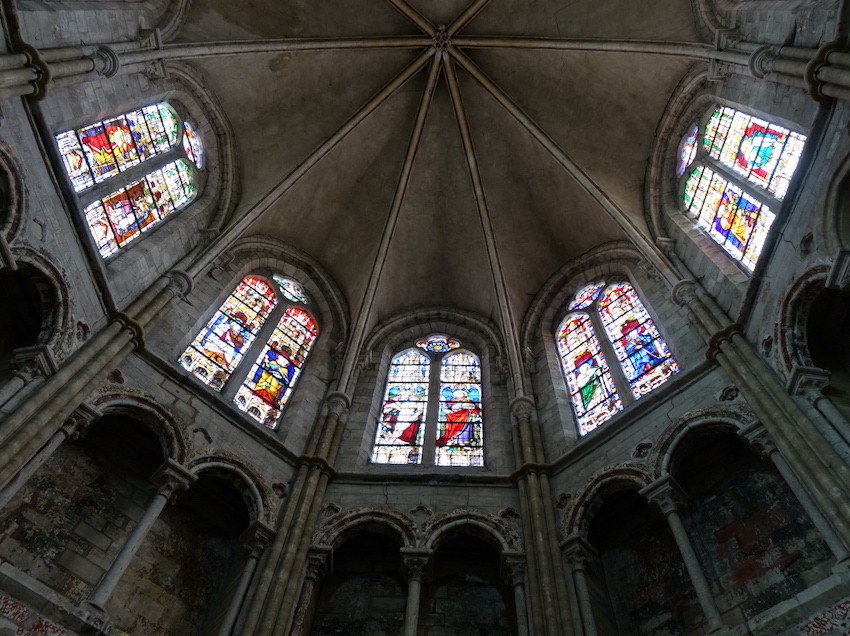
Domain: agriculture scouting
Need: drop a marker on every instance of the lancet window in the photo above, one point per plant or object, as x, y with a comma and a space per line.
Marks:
130, 172
254, 348
735, 170
431, 413
611, 352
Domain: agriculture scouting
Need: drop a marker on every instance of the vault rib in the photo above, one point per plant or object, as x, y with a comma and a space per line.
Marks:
505, 310
417, 18
464, 18
199, 50
240, 226
359, 329
673, 49
643, 243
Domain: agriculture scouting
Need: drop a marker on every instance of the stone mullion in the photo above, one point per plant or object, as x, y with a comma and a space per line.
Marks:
432, 413
616, 370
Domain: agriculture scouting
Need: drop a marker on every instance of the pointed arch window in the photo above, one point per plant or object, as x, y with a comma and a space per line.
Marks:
736, 169
431, 413
130, 172
254, 348
611, 352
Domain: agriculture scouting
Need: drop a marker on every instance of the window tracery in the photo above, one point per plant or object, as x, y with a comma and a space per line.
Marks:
231, 342
431, 411
611, 352
735, 178
99, 158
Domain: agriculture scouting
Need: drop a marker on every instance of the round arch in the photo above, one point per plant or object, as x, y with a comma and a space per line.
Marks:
350, 523
470, 522
241, 478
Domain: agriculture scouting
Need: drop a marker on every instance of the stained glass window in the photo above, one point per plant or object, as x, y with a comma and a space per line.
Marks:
96, 152
688, 150
273, 365
592, 390
459, 435
122, 216
401, 423
437, 344
217, 350
638, 356
438, 372
745, 161
641, 351
103, 150
291, 290
192, 145
272, 377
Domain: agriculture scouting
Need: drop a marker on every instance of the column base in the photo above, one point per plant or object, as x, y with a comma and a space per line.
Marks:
94, 608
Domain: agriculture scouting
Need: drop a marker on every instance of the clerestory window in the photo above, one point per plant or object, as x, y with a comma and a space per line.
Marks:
254, 348
611, 352
735, 170
431, 413
131, 172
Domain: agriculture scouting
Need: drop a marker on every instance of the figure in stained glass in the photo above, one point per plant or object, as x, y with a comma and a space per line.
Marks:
588, 379
640, 348
225, 338
461, 412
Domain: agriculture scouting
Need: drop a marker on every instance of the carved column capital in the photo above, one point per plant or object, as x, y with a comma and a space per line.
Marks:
319, 562
106, 61
808, 382
181, 282
579, 552
513, 568
81, 420
756, 437
664, 494
522, 408
338, 403
684, 292
415, 563
171, 479
256, 538
30, 363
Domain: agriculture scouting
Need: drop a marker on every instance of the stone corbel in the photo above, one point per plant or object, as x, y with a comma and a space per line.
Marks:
756, 437
319, 562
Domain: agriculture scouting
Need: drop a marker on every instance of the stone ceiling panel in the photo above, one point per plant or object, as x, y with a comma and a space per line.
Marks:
615, 19
336, 212
284, 106
541, 217
437, 256
602, 109
251, 19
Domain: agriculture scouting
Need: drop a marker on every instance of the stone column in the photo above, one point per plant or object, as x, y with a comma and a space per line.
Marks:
756, 436
415, 564
808, 383
513, 569
666, 496
318, 566
581, 553
75, 426
171, 479
254, 540
29, 364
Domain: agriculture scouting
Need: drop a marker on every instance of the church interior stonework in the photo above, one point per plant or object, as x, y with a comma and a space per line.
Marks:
425, 317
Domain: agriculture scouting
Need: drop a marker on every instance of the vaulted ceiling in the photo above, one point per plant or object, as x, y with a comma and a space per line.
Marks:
600, 109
